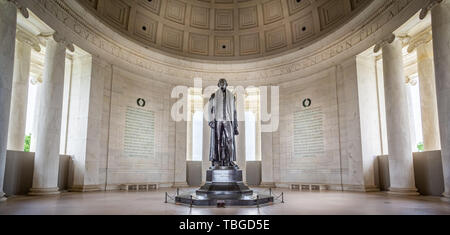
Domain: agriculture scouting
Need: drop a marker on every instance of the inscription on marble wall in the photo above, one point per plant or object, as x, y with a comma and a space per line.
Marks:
308, 133
139, 140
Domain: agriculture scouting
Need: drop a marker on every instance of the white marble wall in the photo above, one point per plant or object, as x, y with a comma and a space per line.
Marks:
323, 168
371, 145
347, 95
126, 89
85, 121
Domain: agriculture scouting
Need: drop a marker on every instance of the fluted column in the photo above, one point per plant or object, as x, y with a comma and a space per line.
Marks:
397, 118
428, 103
8, 22
440, 15
19, 96
46, 161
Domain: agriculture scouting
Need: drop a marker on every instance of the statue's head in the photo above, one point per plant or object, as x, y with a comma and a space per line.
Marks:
223, 84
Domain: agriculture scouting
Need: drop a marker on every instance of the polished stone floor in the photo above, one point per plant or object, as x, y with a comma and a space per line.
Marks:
296, 203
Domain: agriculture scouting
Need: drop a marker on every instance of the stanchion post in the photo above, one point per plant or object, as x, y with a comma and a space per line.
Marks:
270, 191
257, 201
165, 201
282, 197
191, 202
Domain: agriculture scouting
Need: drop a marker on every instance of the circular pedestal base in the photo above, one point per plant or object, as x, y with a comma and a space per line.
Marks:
224, 186
249, 200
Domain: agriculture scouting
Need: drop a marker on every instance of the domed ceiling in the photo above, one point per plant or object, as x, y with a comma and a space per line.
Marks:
224, 29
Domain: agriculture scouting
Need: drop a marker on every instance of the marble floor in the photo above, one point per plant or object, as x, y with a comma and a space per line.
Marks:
296, 203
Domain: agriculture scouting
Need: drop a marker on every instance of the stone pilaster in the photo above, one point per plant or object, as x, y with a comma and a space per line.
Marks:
46, 161
240, 150
8, 24
440, 15
206, 138
19, 97
266, 143
428, 103
397, 118
180, 152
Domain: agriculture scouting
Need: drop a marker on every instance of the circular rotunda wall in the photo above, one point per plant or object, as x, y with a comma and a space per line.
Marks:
82, 23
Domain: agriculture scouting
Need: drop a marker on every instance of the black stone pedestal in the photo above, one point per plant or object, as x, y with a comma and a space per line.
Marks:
224, 185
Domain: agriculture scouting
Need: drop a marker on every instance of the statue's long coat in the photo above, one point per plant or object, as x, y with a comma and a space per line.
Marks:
215, 112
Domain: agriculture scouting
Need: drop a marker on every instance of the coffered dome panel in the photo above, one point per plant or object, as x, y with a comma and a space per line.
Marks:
224, 29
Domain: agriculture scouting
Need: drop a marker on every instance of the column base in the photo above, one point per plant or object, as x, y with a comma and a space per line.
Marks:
180, 185
44, 191
2, 197
404, 191
446, 194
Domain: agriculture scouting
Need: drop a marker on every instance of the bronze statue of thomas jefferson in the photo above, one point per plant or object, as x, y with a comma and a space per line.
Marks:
224, 182
224, 126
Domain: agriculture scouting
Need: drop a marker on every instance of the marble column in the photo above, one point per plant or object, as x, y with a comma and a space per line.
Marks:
440, 16
427, 85
8, 23
19, 96
46, 161
397, 118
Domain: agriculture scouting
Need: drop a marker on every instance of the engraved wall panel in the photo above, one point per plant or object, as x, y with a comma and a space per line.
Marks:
198, 44
172, 38
273, 11
224, 46
224, 19
302, 28
308, 133
200, 17
249, 44
275, 39
117, 12
152, 6
248, 17
331, 12
175, 11
145, 27
139, 139
296, 5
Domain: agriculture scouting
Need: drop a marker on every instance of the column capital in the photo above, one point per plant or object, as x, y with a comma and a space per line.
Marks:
421, 38
427, 8
28, 38
383, 42
411, 80
59, 38
23, 10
